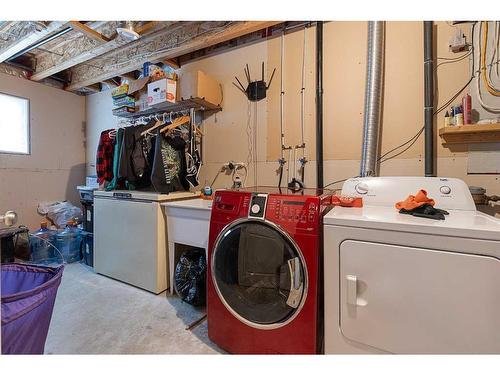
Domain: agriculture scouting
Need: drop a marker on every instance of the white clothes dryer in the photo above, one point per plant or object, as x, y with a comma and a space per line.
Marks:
396, 283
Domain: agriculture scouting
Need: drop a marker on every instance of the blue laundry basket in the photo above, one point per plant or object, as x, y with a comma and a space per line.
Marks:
28, 295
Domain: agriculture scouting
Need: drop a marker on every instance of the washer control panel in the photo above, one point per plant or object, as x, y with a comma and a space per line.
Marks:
300, 212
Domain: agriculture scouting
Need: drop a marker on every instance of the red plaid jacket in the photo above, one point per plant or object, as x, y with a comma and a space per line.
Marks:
104, 158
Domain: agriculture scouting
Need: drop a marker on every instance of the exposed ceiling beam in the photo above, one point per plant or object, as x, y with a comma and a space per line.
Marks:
172, 63
127, 75
49, 64
28, 40
190, 37
96, 87
91, 33
146, 27
111, 84
82, 51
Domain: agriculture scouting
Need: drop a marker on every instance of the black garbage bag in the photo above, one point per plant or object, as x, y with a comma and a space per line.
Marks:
190, 277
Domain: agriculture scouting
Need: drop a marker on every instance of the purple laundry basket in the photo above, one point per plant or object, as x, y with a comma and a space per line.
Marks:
28, 296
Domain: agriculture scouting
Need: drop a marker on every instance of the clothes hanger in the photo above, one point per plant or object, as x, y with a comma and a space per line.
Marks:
157, 124
179, 121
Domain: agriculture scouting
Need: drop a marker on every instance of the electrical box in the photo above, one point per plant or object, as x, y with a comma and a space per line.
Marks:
458, 43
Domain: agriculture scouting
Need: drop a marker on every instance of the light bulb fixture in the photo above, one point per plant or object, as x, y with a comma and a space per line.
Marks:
128, 32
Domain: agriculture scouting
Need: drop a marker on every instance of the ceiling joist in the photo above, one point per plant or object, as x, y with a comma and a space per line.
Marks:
81, 52
189, 37
172, 63
29, 39
141, 30
91, 33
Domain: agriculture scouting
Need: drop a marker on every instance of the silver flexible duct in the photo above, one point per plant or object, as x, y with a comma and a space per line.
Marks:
373, 98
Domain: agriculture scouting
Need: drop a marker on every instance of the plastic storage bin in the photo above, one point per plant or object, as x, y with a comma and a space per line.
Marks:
28, 296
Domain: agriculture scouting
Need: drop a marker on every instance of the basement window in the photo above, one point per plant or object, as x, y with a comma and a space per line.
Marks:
14, 125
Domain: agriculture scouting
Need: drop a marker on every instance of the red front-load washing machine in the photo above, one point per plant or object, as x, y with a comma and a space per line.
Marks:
264, 262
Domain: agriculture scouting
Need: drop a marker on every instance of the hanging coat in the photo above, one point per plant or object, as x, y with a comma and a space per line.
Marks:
179, 144
104, 158
134, 169
115, 182
169, 165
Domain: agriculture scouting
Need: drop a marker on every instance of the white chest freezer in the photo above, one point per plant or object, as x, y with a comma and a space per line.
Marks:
130, 237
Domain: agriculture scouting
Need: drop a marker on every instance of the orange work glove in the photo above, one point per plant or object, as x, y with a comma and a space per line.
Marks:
415, 201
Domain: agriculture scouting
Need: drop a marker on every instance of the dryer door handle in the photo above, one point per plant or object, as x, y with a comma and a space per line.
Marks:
352, 289
296, 283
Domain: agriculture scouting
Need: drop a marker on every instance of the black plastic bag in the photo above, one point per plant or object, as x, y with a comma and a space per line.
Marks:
190, 277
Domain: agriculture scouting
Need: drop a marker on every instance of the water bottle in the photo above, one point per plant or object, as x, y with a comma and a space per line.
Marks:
68, 242
41, 245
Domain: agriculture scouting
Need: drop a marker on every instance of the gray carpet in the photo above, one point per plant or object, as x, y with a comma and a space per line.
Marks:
94, 314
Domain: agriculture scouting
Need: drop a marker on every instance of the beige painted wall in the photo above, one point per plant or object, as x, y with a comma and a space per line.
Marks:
344, 83
99, 115
56, 163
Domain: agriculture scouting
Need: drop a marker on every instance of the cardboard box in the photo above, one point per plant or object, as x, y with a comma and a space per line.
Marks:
163, 90
198, 84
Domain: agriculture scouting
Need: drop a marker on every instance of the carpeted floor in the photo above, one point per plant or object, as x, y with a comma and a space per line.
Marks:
94, 314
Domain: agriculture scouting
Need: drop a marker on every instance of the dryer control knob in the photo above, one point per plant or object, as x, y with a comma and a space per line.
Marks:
361, 188
445, 189
255, 208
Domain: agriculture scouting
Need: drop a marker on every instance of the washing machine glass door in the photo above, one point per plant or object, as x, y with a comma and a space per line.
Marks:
259, 273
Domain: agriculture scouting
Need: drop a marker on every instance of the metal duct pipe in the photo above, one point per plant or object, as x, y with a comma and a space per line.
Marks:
373, 98
319, 104
40, 43
429, 98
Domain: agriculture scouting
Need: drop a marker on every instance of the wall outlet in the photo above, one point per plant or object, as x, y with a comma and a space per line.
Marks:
458, 43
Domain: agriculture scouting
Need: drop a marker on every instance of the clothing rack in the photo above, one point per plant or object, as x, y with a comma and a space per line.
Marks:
165, 116
130, 147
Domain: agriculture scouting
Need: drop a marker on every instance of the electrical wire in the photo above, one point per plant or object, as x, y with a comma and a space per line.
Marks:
336, 182
492, 90
478, 81
414, 139
406, 149
410, 142
494, 52
249, 134
450, 61
255, 143
403, 144
302, 93
216, 176
445, 105
454, 58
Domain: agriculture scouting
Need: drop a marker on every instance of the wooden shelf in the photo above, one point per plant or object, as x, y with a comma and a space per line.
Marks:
475, 133
199, 104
